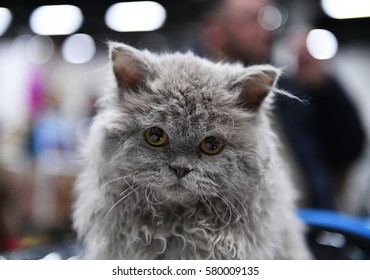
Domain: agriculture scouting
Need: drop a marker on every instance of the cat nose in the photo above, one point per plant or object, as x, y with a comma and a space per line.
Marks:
180, 171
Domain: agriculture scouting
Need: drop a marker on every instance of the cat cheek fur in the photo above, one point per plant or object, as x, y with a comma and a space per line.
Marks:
238, 204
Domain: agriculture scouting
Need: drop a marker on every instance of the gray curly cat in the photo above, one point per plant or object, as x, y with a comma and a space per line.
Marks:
181, 163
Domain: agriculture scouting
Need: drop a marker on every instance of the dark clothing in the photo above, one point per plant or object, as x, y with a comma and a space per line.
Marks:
326, 135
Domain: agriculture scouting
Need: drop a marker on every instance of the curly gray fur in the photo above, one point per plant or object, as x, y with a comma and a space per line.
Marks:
237, 204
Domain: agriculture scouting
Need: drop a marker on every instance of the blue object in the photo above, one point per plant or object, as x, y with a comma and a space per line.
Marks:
336, 221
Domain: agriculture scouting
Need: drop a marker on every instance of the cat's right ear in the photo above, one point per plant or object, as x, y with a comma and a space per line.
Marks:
130, 68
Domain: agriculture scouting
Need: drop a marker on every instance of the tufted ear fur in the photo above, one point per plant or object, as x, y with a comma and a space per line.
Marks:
257, 85
130, 68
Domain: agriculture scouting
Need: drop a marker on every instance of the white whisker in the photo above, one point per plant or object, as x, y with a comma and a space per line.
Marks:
117, 179
242, 205
119, 201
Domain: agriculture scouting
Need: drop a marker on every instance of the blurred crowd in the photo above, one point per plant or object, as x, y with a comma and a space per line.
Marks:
325, 136
39, 143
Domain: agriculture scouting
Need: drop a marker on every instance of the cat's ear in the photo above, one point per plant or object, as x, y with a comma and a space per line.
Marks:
130, 67
257, 84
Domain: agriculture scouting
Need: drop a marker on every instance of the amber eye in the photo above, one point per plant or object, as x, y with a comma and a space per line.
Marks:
156, 136
211, 145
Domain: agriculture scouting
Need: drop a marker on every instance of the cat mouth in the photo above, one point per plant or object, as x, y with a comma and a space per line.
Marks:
177, 188
178, 192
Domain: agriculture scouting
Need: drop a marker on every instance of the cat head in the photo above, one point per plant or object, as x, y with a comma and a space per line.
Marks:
180, 128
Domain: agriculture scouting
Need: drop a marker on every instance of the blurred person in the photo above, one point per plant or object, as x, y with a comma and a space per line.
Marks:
53, 134
54, 146
231, 29
326, 136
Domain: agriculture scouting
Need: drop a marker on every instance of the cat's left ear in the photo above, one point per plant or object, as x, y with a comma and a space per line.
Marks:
257, 84
130, 67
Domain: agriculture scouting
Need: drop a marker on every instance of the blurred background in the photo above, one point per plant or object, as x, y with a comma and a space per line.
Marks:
53, 67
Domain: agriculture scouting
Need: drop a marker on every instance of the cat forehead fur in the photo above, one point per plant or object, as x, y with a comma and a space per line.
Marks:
191, 74
186, 90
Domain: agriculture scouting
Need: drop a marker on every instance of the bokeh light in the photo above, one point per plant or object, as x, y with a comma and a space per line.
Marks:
270, 18
344, 9
135, 16
56, 19
5, 19
40, 49
78, 48
322, 44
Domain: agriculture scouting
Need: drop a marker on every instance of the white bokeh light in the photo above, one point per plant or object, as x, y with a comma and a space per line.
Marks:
56, 20
135, 16
5, 19
322, 44
270, 18
40, 49
344, 9
78, 48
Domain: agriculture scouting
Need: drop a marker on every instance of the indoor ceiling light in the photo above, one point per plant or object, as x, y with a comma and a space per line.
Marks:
135, 16
5, 19
344, 9
56, 20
